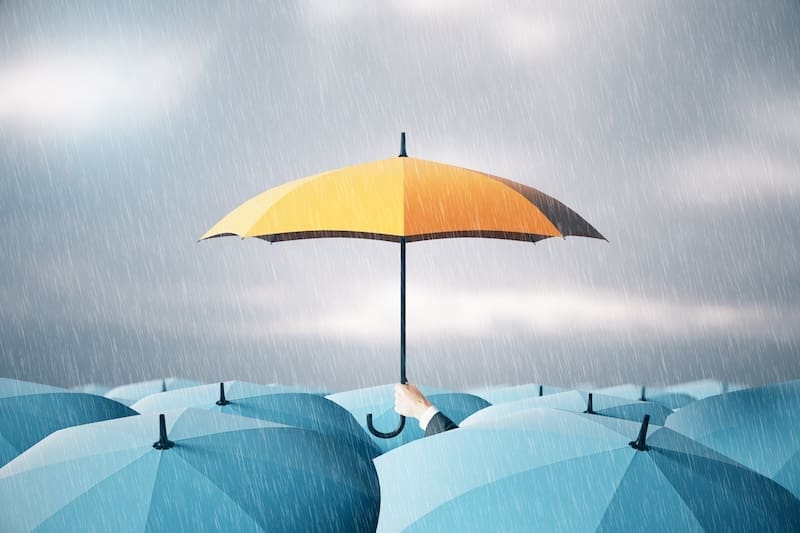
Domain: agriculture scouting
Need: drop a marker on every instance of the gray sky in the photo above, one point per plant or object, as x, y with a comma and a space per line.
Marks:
126, 131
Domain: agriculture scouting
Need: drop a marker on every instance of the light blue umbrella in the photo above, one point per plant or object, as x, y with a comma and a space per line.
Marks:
549, 470
380, 401
704, 388
134, 392
204, 472
580, 402
502, 394
758, 427
275, 403
92, 388
31, 411
672, 399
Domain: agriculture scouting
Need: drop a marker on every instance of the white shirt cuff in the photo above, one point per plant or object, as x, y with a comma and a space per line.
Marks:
425, 419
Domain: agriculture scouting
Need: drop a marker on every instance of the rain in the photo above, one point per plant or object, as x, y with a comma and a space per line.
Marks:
128, 130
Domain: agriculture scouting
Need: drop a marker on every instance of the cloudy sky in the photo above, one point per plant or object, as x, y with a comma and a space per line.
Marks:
127, 130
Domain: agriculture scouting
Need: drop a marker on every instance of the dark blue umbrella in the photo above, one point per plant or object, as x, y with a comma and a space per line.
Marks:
581, 402
380, 401
757, 427
549, 470
31, 411
275, 403
204, 472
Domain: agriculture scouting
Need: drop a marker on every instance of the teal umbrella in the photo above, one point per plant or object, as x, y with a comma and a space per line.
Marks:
549, 470
671, 400
204, 472
581, 402
134, 392
31, 411
502, 394
380, 401
757, 427
275, 403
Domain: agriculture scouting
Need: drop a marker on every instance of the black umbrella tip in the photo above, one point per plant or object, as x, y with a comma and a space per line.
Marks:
541, 390
403, 145
643, 397
222, 401
163, 443
163, 385
589, 407
641, 441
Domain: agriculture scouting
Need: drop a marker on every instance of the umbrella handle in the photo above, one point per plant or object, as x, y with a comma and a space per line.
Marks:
381, 434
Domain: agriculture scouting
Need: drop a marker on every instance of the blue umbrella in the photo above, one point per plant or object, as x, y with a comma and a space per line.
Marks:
704, 388
204, 472
495, 395
672, 399
134, 392
380, 401
581, 402
758, 427
31, 411
550, 470
275, 403
92, 388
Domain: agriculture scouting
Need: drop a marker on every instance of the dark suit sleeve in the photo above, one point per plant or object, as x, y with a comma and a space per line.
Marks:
438, 424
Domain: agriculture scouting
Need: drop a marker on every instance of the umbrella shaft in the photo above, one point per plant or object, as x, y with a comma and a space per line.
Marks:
403, 311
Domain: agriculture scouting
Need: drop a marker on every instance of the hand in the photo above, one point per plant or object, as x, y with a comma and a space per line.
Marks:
409, 401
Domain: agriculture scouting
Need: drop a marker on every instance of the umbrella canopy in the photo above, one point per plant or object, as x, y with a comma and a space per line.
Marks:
672, 400
275, 403
92, 388
502, 394
704, 388
209, 472
550, 470
402, 199
380, 400
31, 411
581, 402
133, 392
757, 427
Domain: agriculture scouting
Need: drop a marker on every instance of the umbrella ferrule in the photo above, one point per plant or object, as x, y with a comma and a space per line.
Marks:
163, 442
641, 441
403, 145
222, 401
589, 407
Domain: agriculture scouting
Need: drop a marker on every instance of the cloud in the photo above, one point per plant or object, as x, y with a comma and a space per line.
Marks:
543, 311
76, 93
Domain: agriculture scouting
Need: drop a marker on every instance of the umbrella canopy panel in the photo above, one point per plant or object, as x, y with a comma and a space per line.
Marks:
30, 411
757, 427
402, 198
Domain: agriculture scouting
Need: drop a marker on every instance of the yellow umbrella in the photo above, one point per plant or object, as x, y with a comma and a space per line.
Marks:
402, 199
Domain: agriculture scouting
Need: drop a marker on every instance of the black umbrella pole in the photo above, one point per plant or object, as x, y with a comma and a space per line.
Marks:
403, 379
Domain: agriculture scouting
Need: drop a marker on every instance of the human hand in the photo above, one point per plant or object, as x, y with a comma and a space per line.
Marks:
409, 401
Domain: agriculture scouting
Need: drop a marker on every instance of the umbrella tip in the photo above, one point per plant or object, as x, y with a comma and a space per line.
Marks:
541, 390
643, 397
641, 441
163, 385
589, 408
403, 145
163, 443
222, 401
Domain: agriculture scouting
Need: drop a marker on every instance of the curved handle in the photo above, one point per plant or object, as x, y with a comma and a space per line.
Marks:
381, 434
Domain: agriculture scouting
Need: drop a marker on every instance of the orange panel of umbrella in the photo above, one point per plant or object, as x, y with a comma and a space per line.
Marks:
402, 199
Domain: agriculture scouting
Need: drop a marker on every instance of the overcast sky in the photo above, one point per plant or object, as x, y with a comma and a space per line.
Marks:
126, 131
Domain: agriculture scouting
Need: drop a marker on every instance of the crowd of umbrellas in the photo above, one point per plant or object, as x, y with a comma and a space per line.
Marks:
176, 455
